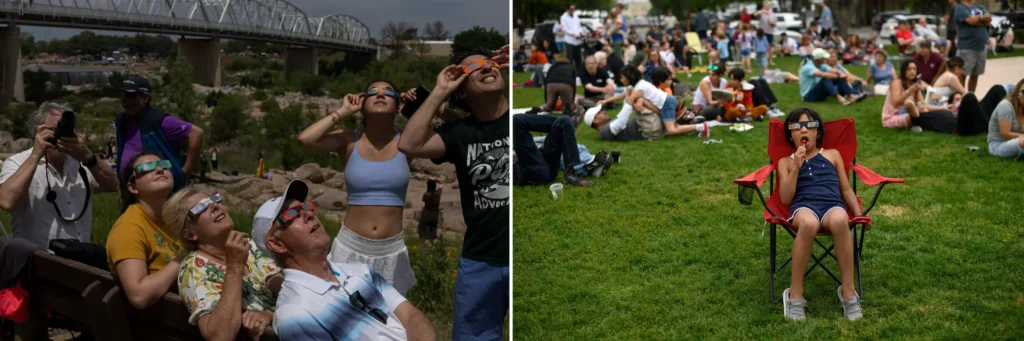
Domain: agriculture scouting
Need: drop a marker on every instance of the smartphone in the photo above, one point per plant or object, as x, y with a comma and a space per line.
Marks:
410, 108
918, 78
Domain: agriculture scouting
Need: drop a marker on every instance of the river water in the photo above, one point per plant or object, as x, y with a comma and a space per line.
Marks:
62, 75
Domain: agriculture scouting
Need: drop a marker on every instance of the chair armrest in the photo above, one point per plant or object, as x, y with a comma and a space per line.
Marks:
755, 179
871, 178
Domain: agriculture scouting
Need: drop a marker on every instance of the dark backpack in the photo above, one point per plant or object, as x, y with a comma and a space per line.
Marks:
153, 141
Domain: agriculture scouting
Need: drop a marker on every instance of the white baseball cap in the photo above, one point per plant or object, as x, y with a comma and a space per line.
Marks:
588, 117
268, 212
819, 54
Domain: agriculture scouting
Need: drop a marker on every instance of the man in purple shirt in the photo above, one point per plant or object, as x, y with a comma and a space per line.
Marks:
144, 128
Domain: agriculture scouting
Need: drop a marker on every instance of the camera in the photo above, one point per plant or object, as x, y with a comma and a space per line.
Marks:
65, 127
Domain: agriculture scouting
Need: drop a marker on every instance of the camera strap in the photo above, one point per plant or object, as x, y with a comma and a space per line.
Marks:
51, 195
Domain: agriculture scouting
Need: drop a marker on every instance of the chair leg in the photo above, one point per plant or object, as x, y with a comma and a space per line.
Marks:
856, 258
817, 262
771, 262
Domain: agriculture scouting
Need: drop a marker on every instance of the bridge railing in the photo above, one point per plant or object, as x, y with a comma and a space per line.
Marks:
116, 20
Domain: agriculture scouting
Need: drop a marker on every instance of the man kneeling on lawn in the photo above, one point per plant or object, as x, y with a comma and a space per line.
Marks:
320, 300
818, 82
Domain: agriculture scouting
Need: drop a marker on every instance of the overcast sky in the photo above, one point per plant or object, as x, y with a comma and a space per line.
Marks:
458, 15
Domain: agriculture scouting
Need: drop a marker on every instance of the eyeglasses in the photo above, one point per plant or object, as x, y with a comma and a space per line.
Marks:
386, 91
291, 214
804, 124
359, 302
145, 168
479, 64
201, 207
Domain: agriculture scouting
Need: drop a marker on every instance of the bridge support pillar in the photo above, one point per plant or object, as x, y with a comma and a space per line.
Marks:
301, 59
12, 85
204, 55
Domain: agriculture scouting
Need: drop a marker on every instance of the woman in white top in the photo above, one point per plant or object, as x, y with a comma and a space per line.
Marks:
947, 83
703, 104
643, 90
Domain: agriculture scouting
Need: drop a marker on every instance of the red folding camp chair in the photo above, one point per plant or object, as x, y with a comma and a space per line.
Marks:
839, 135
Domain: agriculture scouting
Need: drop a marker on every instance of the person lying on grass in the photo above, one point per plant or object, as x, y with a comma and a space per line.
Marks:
814, 184
227, 283
665, 104
143, 252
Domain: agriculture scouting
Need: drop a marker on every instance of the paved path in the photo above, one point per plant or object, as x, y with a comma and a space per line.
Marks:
1000, 71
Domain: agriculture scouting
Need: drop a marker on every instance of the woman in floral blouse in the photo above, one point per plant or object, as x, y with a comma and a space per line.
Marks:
225, 280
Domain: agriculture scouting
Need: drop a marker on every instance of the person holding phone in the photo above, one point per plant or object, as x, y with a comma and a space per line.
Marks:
376, 178
905, 106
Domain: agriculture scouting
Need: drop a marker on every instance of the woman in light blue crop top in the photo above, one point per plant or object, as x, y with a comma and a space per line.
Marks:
376, 179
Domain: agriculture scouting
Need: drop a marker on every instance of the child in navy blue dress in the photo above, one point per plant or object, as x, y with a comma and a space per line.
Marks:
814, 184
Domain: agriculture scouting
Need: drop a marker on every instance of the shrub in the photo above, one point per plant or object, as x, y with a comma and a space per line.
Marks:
237, 65
259, 95
229, 117
307, 83
14, 119
213, 97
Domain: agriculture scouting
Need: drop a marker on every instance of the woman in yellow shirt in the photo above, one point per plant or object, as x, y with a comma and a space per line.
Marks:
142, 251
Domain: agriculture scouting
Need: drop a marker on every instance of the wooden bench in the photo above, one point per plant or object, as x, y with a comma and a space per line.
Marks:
92, 301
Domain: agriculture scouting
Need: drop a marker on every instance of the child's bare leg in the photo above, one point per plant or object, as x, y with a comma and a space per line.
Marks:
838, 223
807, 228
791, 78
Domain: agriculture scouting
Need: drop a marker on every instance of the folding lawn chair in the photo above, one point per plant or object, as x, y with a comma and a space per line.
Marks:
693, 41
839, 135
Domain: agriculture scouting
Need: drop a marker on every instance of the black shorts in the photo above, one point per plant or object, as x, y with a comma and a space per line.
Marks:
703, 34
771, 39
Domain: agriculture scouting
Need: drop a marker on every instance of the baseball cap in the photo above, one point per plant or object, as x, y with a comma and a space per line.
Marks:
136, 83
588, 117
268, 212
819, 54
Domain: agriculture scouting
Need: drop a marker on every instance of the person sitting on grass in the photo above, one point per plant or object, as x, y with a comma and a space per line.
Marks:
559, 85
1006, 127
324, 300
227, 283
537, 59
835, 66
143, 252
814, 184
667, 105
905, 106
655, 60
742, 106
596, 81
703, 103
881, 71
928, 63
817, 83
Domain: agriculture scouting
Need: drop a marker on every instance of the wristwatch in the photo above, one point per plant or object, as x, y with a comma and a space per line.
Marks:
90, 162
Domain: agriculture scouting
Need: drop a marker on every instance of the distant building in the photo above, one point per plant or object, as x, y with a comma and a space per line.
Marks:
430, 48
635, 8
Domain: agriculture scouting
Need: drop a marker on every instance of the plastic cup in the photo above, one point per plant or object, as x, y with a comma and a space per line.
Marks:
556, 190
615, 155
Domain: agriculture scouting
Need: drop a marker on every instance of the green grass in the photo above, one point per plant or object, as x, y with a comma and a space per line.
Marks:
435, 266
660, 249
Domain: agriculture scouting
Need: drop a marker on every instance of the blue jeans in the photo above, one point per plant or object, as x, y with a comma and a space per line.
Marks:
481, 300
561, 46
668, 110
585, 156
539, 166
762, 60
828, 88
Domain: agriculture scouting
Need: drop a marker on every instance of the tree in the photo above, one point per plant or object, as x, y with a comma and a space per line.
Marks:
436, 31
478, 37
535, 11
229, 117
28, 44
398, 36
179, 88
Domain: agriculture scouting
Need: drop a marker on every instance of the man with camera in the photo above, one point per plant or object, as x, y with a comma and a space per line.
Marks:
47, 188
142, 128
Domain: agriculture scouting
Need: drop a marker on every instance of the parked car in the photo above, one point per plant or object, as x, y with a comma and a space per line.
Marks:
890, 26
881, 17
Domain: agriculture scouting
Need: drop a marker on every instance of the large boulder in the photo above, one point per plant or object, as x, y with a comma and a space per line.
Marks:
6, 142
310, 172
332, 199
330, 174
426, 166
336, 182
21, 145
249, 194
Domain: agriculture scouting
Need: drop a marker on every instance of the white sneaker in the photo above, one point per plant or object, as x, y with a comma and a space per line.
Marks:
794, 310
916, 129
706, 132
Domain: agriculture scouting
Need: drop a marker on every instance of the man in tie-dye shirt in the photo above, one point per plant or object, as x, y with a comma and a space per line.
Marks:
320, 300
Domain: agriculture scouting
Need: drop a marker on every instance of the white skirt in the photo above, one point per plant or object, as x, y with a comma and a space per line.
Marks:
389, 257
